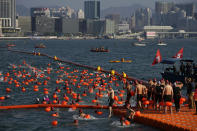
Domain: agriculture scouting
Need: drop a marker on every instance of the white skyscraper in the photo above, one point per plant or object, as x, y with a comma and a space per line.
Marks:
8, 13
80, 14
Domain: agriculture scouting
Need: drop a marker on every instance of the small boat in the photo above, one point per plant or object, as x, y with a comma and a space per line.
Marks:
99, 50
162, 44
139, 44
40, 46
121, 61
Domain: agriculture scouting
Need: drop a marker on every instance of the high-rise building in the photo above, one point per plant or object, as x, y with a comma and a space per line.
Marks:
189, 8
115, 18
80, 14
92, 9
8, 13
38, 12
142, 18
163, 7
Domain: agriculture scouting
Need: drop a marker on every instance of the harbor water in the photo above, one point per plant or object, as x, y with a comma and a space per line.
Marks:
78, 51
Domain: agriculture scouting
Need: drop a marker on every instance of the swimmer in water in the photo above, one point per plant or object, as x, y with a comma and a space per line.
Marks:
81, 113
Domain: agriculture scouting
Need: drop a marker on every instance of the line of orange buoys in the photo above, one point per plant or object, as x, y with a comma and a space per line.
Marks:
61, 85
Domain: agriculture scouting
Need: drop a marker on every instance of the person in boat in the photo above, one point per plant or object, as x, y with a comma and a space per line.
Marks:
177, 94
111, 100
190, 84
167, 95
122, 60
182, 68
102, 49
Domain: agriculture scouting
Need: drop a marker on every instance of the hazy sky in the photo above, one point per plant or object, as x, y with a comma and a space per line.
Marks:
76, 4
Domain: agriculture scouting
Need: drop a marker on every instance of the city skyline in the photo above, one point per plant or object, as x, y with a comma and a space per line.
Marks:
79, 4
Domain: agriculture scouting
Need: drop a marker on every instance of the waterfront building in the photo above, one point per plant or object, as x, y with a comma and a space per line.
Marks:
8, 13
38, 12
92, 9
115, 18
45, 25
1, 28
100, 27
24, 22
123, 27
69, 26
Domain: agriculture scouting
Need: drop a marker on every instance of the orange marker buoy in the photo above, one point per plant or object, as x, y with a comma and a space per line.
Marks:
94, 101
36, 89
46, 92
146, 102
48, 109
126, 122
121, 95
64, 103
54, 101
74, 107
54, 115
44, 102
168, 103
116, 98
87, 116
84, 94
8, 90
2, 98
23, 89
54, 123
137, 113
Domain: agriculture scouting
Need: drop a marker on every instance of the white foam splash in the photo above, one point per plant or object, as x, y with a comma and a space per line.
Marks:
77, 117
118, 124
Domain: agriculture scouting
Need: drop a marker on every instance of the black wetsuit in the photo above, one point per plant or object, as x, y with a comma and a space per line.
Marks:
177, 97
111, 101
158, 95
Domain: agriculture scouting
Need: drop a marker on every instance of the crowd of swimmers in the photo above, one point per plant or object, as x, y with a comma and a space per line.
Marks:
161, 94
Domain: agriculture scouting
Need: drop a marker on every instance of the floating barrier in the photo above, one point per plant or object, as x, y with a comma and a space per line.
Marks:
80, 65
183, 121
47, 106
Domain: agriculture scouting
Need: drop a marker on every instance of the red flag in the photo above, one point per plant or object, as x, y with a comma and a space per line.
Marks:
157, 58
179, 55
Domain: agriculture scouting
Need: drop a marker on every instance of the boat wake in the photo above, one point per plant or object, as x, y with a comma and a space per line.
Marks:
77, 117
118, 124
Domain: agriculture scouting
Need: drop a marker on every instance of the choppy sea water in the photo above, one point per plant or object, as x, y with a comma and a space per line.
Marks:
79, 51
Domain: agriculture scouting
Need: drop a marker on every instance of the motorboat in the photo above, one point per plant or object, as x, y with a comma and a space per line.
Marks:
40, 46
99, 50
139, 44
162, 44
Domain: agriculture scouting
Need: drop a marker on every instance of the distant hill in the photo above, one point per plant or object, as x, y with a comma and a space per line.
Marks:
21, 10
125, 11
